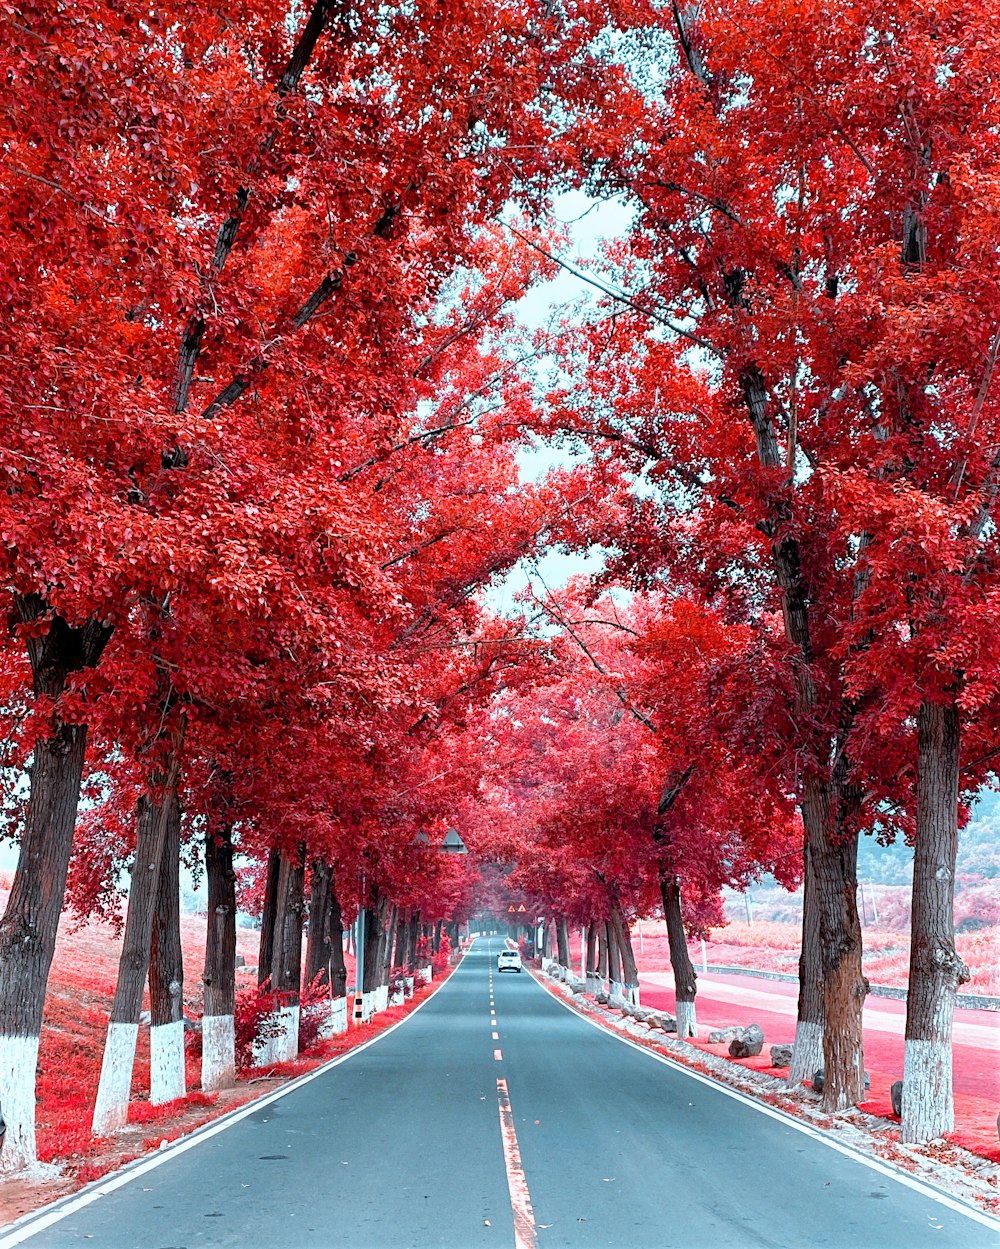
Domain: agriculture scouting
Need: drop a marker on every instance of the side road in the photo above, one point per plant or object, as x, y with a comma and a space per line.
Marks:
739, 999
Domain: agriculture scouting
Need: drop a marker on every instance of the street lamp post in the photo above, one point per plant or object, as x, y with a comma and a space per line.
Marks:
452, 843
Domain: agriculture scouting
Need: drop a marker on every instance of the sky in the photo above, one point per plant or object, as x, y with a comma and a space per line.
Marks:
589, 223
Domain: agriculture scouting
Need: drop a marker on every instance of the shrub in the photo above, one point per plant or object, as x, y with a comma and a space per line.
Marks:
255, 1020
314, 1013
440, 960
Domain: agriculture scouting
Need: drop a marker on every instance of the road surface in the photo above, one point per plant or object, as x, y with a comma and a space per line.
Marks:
495, 1118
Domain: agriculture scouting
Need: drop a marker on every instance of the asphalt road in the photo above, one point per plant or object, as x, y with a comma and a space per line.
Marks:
438, 1132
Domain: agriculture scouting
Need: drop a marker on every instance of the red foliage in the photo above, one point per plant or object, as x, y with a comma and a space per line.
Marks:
633, 703
443, 956
255, 1020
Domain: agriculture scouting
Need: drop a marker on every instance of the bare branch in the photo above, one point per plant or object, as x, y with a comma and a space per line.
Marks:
617, 295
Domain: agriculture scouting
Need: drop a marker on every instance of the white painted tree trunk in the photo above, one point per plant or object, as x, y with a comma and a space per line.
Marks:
167, 1080
111, 1106
265, 1051
632, 994
593, 985
367, 1006
286, 1043
807, 1053
18, 1064
687, 1023
381, 996
338, 1016
616, 993
408, 986
928, 1099
218, 1052
936, 970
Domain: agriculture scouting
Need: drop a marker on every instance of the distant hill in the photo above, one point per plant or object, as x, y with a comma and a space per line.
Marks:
978, 849
885, 874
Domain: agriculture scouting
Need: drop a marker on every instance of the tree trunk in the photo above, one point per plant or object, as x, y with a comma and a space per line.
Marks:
338, 968
623, 939
807, 1052
936, 971
319, 938
400, 956
833, 857
286, 961
267, 918
685, 978
438, 930
385, 946
562, 942
167, 1077
844, 985
397, 956
31, 920
404, 953
325, 946
590, 959
414, 938
111, 1106
602, 950
218, 1033
614, 960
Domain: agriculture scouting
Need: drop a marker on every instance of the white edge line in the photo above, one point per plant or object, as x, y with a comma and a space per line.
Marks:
38, 1220
883, 1168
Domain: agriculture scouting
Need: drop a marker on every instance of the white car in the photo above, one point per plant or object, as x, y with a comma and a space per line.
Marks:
509, 960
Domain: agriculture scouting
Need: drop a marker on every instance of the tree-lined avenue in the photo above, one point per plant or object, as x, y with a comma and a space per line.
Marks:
279, 439
402, 1145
